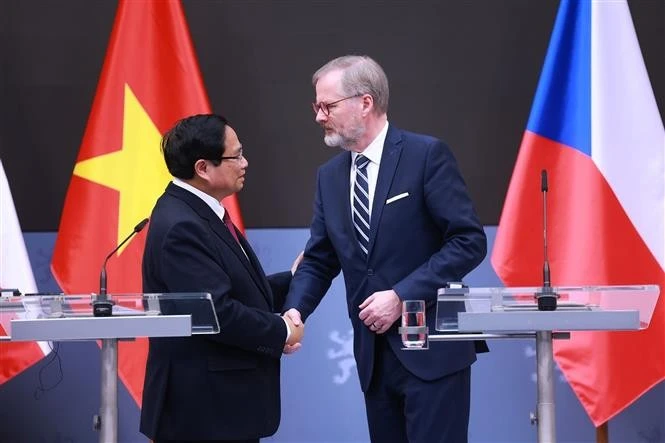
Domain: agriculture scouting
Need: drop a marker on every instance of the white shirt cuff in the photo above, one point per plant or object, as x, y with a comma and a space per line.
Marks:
288, 330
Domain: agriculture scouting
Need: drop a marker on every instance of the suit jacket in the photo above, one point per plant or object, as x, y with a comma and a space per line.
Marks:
223, 386
417, 244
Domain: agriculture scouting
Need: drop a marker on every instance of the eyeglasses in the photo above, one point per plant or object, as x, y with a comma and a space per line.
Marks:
234, 157
325, 107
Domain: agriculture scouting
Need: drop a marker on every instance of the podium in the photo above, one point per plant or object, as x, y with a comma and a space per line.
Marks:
70, 318
495, 313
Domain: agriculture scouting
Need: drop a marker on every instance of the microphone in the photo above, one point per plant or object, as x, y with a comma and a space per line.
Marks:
546, 262
547, 298
103, 307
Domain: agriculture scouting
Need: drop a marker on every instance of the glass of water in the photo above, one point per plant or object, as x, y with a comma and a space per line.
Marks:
414, 332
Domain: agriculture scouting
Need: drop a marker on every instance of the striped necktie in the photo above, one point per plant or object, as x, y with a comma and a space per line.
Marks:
361, 203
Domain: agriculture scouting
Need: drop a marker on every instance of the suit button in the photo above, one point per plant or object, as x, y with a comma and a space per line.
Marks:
370, 272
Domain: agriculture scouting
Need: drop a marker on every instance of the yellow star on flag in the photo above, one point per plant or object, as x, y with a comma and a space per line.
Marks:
137, 171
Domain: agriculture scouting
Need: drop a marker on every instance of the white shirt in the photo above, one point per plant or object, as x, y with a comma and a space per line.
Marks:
373, 152
218, 209
209, 200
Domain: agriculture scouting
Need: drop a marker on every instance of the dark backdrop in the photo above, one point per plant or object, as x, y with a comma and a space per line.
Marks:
465, 71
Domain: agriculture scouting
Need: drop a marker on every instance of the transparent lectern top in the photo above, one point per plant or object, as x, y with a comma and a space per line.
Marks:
515, 308
197, 304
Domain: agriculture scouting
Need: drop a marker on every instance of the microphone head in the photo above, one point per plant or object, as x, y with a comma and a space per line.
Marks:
138, 228
543, 180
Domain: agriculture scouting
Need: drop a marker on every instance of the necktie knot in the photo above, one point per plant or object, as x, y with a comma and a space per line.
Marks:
361, 162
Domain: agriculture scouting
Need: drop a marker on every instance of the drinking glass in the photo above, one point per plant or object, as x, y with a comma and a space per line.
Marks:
413, 316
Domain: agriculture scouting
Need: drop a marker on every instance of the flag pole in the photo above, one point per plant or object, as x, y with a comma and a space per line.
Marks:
602, 434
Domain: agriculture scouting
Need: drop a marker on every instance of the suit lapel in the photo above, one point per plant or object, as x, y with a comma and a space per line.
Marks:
216, 224
222, 231
252, 263
389, 159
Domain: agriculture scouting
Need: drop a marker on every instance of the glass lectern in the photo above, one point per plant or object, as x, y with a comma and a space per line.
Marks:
70, 317
491, 313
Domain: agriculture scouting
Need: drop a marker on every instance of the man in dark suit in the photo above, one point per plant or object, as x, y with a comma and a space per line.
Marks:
222, 387
393, 214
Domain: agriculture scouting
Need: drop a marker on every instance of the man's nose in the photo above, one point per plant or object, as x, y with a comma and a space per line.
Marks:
320, 116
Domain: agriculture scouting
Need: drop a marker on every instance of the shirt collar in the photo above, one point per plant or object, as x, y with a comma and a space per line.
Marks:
208, 199
374, 150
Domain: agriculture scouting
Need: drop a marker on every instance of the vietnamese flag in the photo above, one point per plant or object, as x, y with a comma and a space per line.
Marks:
150, 79
595, 127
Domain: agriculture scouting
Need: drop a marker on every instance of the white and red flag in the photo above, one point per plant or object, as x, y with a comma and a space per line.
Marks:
15, 273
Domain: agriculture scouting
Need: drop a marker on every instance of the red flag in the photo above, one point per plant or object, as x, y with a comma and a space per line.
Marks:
15, 273
150, 79
595, 127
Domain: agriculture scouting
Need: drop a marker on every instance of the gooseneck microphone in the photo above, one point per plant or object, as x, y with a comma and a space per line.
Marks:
103, 307
546, 297
546, 262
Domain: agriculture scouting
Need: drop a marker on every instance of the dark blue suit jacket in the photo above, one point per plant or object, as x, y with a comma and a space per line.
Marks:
223, 386
417, 245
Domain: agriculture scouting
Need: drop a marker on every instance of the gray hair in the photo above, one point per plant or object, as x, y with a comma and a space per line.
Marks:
360, 75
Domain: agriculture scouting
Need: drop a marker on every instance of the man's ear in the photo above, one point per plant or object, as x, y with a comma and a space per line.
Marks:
368, 104
201, 168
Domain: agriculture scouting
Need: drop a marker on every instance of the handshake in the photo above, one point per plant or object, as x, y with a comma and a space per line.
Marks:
297, 328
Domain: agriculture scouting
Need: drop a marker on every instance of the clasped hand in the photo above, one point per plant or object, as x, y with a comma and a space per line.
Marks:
297, 327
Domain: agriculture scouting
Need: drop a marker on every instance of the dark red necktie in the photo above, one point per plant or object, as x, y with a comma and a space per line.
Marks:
229, 224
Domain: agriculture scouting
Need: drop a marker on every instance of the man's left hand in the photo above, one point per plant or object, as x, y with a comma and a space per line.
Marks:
380, 310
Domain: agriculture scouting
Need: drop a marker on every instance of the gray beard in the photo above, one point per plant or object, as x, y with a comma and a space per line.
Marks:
336, 140
345, 143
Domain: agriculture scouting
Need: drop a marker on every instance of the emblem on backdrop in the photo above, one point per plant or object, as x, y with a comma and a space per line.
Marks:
342, 354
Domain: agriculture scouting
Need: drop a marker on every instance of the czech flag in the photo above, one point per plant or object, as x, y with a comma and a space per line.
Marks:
595, 127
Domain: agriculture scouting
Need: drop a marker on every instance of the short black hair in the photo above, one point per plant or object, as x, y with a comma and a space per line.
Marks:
195, 137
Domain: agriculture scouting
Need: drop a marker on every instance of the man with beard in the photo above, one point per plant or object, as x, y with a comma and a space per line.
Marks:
392, 212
